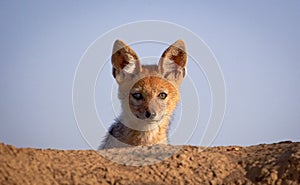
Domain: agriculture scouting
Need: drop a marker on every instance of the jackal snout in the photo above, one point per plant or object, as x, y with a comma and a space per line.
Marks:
150, 111
146, 113
150, 114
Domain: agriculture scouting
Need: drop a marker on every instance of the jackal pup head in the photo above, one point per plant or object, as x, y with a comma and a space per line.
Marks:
148, 93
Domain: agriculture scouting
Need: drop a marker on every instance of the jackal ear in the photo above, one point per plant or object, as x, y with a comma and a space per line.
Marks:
173, 61
124, 60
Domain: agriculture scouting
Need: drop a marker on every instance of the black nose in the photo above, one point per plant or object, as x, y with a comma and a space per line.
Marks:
150, 115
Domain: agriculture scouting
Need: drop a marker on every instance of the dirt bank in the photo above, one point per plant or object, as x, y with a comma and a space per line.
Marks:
162, 164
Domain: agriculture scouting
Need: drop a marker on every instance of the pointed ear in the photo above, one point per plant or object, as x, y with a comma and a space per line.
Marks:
125, 61
173, 61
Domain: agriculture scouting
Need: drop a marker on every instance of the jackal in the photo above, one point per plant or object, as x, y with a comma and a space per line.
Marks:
148, 93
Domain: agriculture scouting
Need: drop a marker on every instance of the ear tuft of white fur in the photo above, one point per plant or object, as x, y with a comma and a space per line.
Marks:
130, 68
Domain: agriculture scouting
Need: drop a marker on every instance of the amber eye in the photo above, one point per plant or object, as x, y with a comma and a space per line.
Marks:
162, 95
137, 96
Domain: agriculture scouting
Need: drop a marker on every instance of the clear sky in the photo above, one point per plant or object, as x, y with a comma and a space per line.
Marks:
256, 44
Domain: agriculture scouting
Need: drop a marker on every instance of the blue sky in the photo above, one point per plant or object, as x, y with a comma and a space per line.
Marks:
256, 44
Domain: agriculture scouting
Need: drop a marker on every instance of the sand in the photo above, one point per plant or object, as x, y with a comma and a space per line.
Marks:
162, 164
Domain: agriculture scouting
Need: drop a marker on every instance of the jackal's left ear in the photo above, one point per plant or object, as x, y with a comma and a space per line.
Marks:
173, 61
125, 61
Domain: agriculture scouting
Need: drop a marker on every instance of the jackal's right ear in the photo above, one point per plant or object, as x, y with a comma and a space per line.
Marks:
173, 61
125, 61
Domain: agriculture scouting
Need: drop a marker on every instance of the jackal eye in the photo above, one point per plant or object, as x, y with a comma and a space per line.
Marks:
162, 95
137, 96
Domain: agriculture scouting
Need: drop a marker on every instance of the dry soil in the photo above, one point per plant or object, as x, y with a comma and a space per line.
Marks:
277, 163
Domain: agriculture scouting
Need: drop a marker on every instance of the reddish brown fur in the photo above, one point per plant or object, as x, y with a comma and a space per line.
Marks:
150, 87
135, 126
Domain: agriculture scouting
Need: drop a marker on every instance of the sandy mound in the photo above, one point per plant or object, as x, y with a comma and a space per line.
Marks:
262, 164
